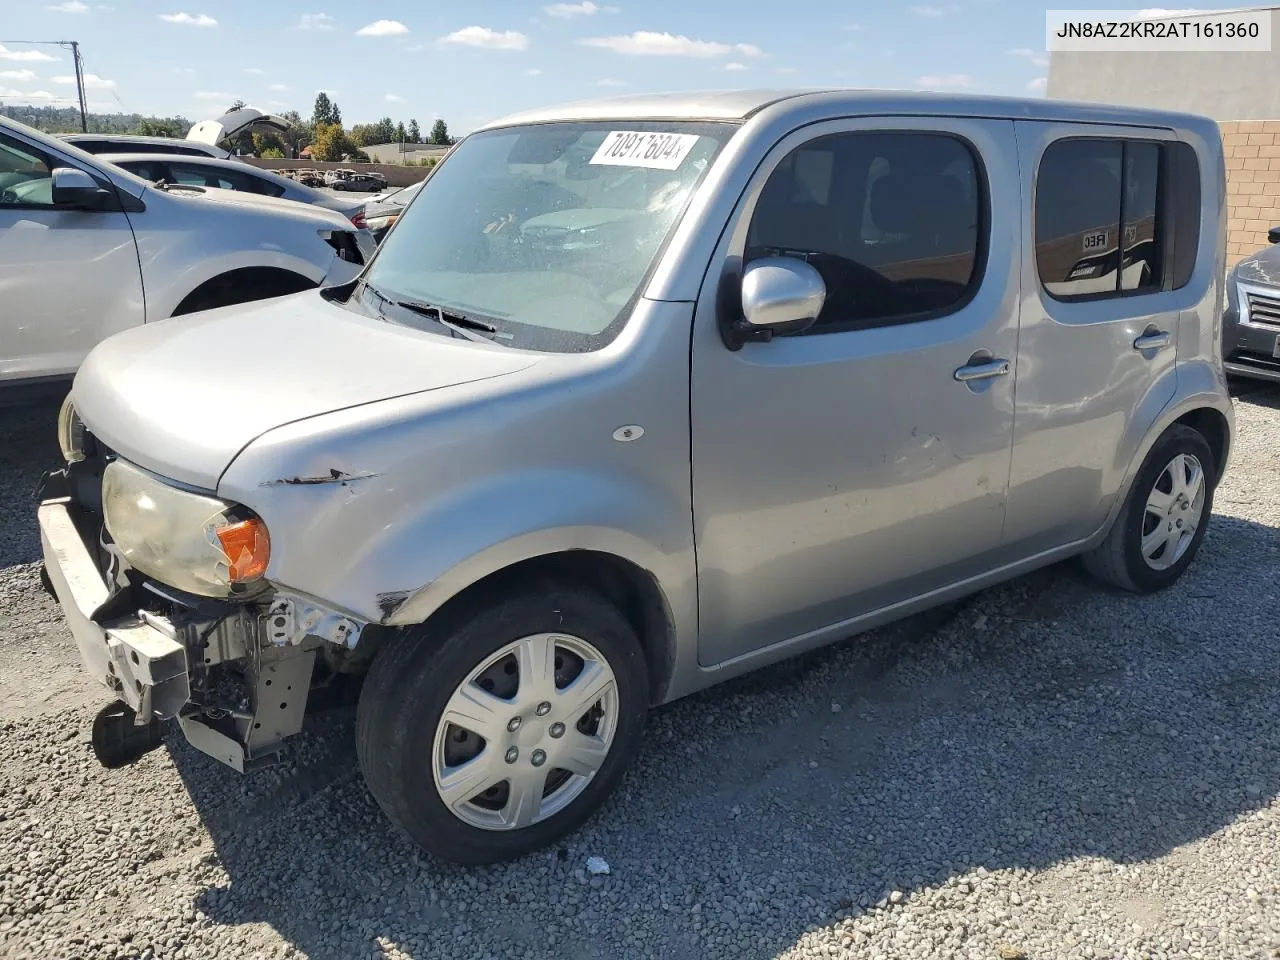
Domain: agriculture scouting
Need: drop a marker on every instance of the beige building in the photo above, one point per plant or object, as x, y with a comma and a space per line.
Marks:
401, 152
1239, 90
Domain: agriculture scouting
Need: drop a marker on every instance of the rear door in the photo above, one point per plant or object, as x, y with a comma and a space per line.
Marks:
68, 278
1099, 318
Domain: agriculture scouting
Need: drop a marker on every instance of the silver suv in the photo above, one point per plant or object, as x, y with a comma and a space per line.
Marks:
638, 396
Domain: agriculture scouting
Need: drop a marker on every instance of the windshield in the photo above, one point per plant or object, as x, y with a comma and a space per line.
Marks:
543, 233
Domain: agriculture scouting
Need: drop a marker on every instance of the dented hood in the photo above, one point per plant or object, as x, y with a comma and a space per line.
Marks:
181, 397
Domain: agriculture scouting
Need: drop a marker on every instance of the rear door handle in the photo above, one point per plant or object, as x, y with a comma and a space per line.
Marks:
1156, 340
983, 371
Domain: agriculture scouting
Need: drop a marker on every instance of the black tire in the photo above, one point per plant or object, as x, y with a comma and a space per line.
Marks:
1118, 560
415, 674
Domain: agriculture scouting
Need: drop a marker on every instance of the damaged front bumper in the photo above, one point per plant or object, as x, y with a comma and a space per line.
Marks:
235, 675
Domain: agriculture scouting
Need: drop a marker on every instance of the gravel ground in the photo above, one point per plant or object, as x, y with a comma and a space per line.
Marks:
1048, 770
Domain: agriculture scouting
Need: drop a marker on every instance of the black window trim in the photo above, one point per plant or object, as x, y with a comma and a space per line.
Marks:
982, 246
1167, 224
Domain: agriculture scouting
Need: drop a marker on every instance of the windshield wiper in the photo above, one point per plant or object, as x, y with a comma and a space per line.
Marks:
468, 327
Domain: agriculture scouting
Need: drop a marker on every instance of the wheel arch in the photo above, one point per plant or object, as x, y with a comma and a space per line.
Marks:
269, 280
1213, 426
634, 591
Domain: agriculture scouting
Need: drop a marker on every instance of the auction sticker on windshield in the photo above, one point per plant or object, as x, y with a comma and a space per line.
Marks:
659, 151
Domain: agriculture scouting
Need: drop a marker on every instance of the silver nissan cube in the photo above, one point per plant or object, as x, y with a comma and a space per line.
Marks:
639, 395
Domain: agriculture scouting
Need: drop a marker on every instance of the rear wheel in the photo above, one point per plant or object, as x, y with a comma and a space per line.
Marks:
1164, 519
502, 728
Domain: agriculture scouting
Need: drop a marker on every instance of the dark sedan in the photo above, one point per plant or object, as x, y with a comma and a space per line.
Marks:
1251, 321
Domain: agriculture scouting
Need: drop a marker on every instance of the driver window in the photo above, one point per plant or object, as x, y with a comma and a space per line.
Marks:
26, 177
894, 222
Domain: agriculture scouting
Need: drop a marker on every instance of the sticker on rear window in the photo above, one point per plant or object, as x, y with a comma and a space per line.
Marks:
659, 151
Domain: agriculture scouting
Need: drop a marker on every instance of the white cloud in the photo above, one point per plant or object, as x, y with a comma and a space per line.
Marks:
32, 98
91, 82
930, 12
253, 70
535, 72
1033, 56
184, 70
24, 75
213, 95
315, 21
736, 67
786, 70
584, 9
946, 81
278, 87
487, 39
26, 56
382, 28
70, 6
1038, 84
277, 103
190, 20
394, 98
610, 82
646, 43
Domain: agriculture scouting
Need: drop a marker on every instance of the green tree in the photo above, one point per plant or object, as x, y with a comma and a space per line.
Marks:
151, 127
415, 132
298, 134
440, 134
272, 153
325, 111
364, 134
328, 142
265, 141
402, 135
238, 104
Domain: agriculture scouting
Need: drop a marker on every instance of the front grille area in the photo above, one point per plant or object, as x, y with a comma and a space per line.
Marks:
1264, 309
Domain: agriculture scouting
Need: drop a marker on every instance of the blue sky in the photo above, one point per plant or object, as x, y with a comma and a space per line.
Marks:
471, 60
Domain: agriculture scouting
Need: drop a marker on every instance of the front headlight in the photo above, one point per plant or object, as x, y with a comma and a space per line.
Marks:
196, 543
71, 432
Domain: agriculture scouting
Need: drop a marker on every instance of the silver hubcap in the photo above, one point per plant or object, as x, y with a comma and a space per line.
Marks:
1174, 510
525, 733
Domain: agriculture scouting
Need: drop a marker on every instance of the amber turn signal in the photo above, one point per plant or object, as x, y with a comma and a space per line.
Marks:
248, 549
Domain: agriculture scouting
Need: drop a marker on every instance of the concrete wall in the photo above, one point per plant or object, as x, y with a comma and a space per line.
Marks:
397, 176
1225, 86
1253, 184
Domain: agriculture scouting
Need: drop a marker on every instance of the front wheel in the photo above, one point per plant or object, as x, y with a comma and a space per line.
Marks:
502, 728
1164, 519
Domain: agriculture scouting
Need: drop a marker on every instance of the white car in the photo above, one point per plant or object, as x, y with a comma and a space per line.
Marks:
232, 175
88, 249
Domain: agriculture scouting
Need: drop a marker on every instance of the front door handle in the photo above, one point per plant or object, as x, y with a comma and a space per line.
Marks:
983, 371
1153, 340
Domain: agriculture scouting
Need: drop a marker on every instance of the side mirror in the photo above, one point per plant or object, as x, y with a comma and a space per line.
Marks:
77, 190
779, 295
1273, 235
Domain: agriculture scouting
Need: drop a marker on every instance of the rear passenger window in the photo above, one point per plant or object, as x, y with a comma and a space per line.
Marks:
894, 222
1105, 217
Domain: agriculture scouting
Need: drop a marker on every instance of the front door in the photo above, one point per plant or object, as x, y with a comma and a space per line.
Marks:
1099, 321
865, 461
68, 278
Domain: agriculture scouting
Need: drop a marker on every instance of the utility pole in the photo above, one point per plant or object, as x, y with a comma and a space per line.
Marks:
75, 55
